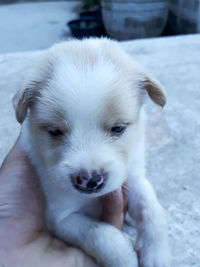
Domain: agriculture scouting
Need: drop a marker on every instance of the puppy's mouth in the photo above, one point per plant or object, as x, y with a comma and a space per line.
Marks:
89, 190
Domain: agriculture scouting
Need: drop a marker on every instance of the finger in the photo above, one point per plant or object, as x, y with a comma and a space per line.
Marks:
125, 191
113, 208
47, 251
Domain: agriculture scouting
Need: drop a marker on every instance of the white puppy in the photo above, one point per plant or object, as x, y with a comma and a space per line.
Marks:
83, 129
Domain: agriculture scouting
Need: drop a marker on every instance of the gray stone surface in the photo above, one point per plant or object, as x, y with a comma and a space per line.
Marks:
32, 26
173, 135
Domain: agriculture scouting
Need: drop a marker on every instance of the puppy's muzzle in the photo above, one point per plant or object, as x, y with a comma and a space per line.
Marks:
89, 182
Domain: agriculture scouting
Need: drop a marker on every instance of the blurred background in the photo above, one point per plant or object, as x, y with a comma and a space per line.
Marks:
32, 25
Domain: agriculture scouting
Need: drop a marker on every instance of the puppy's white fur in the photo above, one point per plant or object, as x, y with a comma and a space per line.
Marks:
84, 88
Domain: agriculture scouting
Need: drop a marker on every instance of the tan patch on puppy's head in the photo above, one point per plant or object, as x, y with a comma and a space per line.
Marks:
126, 64
122, 108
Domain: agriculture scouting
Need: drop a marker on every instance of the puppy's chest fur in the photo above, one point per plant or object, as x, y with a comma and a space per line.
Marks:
60, 205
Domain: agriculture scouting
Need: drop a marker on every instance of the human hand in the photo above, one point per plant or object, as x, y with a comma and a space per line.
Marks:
23, 239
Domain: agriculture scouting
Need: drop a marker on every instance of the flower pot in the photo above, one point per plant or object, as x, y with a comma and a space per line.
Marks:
129, 19
81, 28
92, 15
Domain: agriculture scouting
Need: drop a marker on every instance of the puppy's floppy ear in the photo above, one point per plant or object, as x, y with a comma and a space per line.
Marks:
36, 80
154, 90
21, 101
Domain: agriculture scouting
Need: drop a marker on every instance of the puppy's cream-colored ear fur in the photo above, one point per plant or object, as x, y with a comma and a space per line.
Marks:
154, 90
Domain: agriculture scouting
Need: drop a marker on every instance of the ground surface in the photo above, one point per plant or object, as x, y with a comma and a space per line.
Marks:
31, 26
173, 135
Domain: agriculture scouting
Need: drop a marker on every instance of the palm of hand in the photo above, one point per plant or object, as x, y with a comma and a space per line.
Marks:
23, 242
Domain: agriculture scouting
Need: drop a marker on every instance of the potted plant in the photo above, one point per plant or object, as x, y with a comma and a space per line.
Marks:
91, 10
129, 19
90, 22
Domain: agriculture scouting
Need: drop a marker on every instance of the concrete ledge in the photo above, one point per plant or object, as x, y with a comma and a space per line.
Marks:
172, 135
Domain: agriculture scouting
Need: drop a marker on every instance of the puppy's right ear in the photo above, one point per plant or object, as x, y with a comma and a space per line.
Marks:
36, 80
21, 102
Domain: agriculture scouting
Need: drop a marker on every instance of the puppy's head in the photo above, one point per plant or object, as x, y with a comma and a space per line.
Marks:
82, 114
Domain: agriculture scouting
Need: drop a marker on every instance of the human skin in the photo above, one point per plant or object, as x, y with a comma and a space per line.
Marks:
24, 242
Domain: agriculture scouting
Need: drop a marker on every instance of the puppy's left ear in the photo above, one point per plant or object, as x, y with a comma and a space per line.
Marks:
154, 90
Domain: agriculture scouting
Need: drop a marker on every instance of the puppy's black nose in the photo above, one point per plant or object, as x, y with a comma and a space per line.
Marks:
89, 182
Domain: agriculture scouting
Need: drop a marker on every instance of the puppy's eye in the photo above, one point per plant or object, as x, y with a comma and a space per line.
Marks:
55, 133
118, 130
